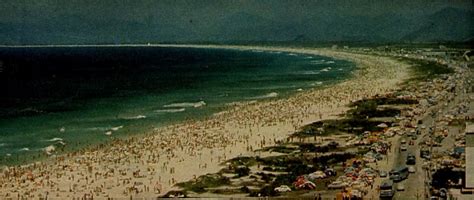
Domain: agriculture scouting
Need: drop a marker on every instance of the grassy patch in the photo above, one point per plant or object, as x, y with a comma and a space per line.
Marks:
201, 184
385, 101
332, 159
308, 147
280, 149
242, 160
355, 125
425, 69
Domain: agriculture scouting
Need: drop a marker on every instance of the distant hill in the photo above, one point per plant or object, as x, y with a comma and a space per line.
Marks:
448, 24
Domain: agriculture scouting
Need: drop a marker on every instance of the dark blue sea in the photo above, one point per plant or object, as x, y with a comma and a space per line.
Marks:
82, 96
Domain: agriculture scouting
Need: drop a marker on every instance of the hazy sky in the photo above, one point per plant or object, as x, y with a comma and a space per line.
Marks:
184, 10
45, 20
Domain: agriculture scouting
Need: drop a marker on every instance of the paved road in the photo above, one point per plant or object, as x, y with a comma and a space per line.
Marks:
415, 187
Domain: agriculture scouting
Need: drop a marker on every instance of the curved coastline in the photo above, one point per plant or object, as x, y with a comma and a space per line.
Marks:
180, 152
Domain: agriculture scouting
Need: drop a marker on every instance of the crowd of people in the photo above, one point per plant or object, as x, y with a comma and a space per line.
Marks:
150, 164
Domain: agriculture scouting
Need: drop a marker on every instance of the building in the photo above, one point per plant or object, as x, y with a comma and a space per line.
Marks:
469, 156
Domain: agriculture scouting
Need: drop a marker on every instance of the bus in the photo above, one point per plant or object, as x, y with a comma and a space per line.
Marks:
399, 174
386, 189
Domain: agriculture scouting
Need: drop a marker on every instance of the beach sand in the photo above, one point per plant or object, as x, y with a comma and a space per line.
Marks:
150, 164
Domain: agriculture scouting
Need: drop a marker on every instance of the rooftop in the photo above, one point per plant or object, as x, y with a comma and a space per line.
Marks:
469, 160
469, 128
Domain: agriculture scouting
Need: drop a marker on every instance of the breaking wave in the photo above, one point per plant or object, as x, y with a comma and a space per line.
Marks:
54, 139
269, 95
186, 104
116, 128
171, 110
136, 117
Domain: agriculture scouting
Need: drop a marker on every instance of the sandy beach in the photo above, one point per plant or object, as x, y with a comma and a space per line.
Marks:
148, 165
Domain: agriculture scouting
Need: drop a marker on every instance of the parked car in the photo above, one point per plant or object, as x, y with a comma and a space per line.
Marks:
283, 188
425, 153
383, 174
403, 147
337, 185
403, 141
411, 159
400, 187
411, 169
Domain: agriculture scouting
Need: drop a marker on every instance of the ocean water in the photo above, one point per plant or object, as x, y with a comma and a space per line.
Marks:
80, 96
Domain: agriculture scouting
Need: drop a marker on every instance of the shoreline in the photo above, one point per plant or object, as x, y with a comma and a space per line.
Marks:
36, 153
180, 152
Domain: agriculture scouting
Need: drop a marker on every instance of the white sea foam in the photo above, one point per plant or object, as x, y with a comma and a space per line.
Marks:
136, 117
98, 128
292, 54
108, 133
317, 62
240, 103
330, 62
326, 69
171, 110
310, 72
299, 90
317, 83
269, 95
49, 149
54, 139
25, 149
186, 104
273, 87
116, 128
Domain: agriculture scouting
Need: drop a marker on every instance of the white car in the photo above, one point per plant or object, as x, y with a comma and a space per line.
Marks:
400, 187
317, 174
283, 188
411, 169
403, 147
403, 141
337, 185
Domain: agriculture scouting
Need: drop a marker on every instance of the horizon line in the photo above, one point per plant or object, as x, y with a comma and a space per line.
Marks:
90, 45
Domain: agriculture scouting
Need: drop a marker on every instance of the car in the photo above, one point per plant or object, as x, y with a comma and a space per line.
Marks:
411, 169
403, 147
411, 159
337, 185
383, 174
317, 174
425, 153
403, 141
283, 188
414, 137
400, 187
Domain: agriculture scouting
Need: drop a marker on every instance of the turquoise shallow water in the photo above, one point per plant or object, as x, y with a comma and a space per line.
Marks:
79, 95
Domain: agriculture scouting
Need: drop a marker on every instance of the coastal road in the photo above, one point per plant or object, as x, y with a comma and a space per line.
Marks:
415, 185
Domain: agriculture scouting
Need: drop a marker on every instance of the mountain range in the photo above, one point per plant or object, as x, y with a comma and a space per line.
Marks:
448, 24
